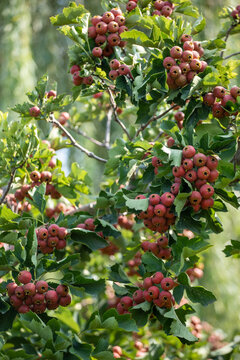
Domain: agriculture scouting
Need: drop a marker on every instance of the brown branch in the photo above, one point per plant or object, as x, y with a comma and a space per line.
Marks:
154, 118
233, 25
82, 133
234, 54
90, 208
73, 141
13, 172
114, 108
108, 128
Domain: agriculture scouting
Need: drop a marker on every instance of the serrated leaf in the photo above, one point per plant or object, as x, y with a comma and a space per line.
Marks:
198, 25
88, 238
233, 249
31, 248
70, 15
136, 204
228, 196
197, 294
180, 201
152, 263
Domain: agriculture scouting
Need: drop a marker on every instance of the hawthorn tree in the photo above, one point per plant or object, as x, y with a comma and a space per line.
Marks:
114, 274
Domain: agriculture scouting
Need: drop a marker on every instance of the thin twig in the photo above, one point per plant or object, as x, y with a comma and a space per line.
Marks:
84, 208
227, 35
234, 54
159, 135
116, 118
13, 172
82, 133
154, 118
108, 128
73, 141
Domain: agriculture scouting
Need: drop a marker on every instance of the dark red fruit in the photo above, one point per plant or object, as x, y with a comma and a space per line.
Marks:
24, 277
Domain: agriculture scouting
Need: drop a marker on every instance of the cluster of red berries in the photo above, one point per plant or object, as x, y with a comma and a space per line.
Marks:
131, 5
179, 117
196, 272
158, 216
159, 248
35, 296
126, 222
17, 206
155, 289
219, 98
107, 29
198, 169
60, 207
156, 163
37, 178
196, 326
35, 111
118, 69
77, 79
163, 8
184, 63
236, 13
133, 264
53, 237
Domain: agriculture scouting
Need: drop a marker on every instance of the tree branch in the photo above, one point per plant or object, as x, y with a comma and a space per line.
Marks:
114, 108
73, 141
82, 133
13, 172
227, 35
154, 118
108, 128
234, 54
84, 208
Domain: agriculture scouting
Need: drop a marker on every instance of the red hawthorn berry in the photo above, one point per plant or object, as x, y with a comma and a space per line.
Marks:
51, 297
92, 34
19, 292
122, 29
113, 74
168, 62
176, 52
178, 171
165, 299
212, 162
90, 224
167, 284
196, 65
120, 19
97, 51
62, 290
199, 159
218, 111
19, 195
159, 221
138, 197
145, 245
35, 176
235, 91
219, 92
179, 116
131, 5
177, 180
52, 93
118, 350
196, 55
74, 69
108, 17
195, 198
81, 226
11, 288
190, 75
209, 99
116, 11
153, 292
167, 199
207, 203
15, 301
166, 11
120, 309
157, 277
123, 70
39, 308
28, 300
175, 188
25, 189
165, 254
191, 176
154, 199
187, 56
170, 142
113, 27
186, 37
162, 241
158, 4
156, 162
38, 299
34, 111
108, 51
53, 230
188, 45
199, 183
160, 210
203, 173
138, 296
114, 64
46, 176
126, 302
29, 289
180, 82
185, 68
207, 191
61, 245
154, 248
188, 151
77, 80
147, 283
62, 233
65, 300
146, 296
114, 40
96, 19
149, 212
213, 176
52, 241
187, 164
53, 306
100, 40
171, 82
24, 277
101, 28
175, 72
41, 286
226, 99
23, 309
42, 233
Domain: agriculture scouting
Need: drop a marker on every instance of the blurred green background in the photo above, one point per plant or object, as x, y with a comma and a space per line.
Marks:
30, 46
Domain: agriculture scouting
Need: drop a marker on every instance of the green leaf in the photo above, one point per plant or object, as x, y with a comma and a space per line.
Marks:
180, 201
6, 319
139, 204
198, 294
137, 37
233, 249
117, 274
31, 248
107, 228
152, 263
70, 15
228, 196
198, 25
38, 197
91, 286
81, 350
88, 238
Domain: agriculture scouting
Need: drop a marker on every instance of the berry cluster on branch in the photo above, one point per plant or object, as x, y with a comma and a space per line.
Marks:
51, 238
163, 8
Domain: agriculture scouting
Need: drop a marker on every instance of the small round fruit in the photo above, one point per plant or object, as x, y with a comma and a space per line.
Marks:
62, 290
203, 173
51, 297
191, 176
235, 91
11, 288
209, 99
53, 230
126, 302
176, 52
168, 62
199, 159
97, 51
219, 92
114, 64
74, 69
113, 74
167, 284
19, 292
131, 5
108, 17
175, 72
138, 296
34, 111
41, 286
212, 162
188, 151
65, 300
147, 283
101, 28
24, 277
29, 289
207, 191
157, 277
195, 198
